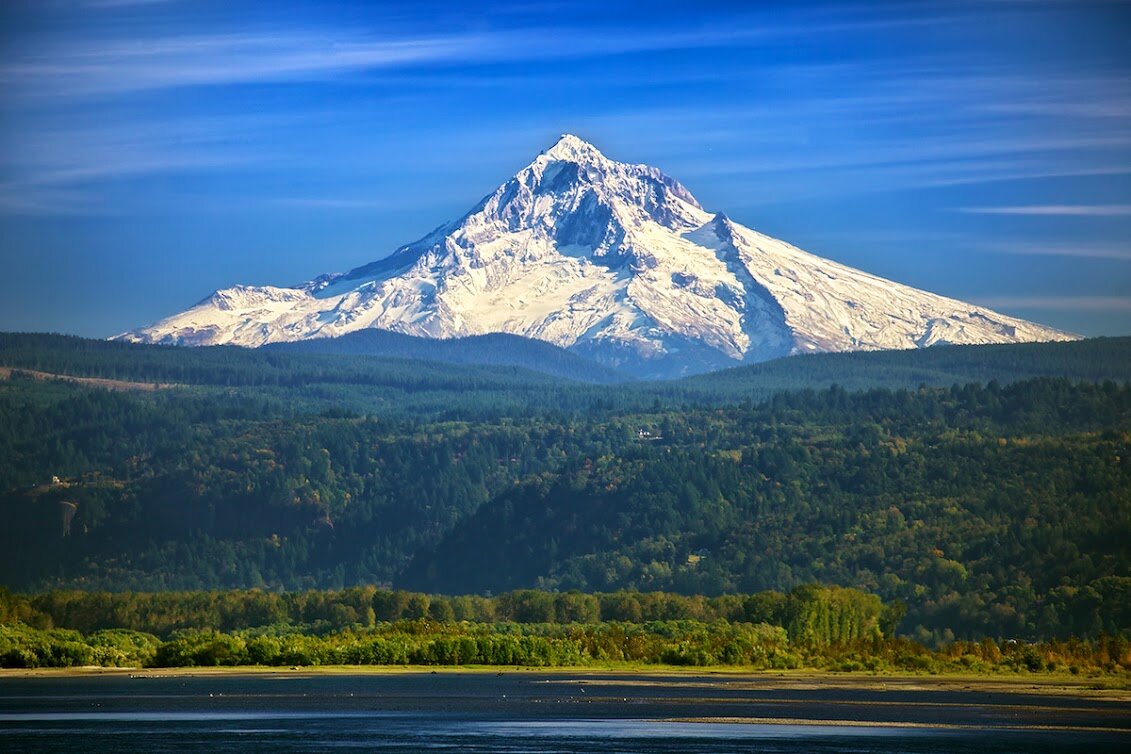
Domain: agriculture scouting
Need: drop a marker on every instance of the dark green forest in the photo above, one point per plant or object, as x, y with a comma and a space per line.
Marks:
480, 378
996, 505
500, 349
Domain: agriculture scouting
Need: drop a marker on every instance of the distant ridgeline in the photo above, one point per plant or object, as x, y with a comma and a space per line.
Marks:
987, 487
390, 374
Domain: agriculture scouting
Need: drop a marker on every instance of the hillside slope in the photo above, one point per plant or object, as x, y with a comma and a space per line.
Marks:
495, 349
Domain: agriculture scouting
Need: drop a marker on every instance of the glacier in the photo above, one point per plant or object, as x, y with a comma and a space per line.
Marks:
615, 261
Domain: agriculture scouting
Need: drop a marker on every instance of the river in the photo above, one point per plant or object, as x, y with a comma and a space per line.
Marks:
532, 711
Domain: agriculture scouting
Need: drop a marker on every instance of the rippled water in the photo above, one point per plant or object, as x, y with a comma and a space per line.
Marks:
525, 711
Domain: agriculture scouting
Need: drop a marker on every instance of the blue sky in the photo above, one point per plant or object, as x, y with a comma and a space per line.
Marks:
152, 151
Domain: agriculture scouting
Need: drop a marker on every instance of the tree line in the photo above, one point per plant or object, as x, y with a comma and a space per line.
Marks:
813, 626
811, 614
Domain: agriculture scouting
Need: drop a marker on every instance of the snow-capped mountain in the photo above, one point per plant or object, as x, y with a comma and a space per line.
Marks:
615, 261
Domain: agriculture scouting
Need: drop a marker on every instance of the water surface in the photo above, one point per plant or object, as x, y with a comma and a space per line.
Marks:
528, 711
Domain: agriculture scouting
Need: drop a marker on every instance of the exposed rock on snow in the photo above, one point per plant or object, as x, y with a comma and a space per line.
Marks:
616, 261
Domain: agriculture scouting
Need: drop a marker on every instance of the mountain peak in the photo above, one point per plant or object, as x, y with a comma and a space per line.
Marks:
573, 148
615, 261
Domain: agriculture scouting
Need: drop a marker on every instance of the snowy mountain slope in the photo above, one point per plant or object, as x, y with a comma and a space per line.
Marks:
616, 261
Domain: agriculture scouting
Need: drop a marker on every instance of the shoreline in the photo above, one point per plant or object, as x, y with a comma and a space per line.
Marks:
890, 724
1109, 688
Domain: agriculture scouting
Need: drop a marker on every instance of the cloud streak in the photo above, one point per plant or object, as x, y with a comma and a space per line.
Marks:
1053, 210
114, 63
112, 67
60, 168
980, 128
1120, 252
1059, 303
331, 202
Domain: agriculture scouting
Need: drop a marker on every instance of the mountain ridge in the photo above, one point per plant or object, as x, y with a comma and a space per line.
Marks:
616, 261
408, 385
491, 349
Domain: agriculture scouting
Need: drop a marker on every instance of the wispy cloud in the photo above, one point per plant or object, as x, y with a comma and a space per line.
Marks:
115, 66
880, 177
885, 142
1059, 303
330, 202
108, 4
22, 199
70, 154
1116, 251
1112, 108
1080, 250
864, 124
106, 63
61, 168
1053, 210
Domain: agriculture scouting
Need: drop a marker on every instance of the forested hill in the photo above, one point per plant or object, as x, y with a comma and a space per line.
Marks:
999, 511
299, 383
234, 366
1093, 360
501, 349
989, 509
398, 387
